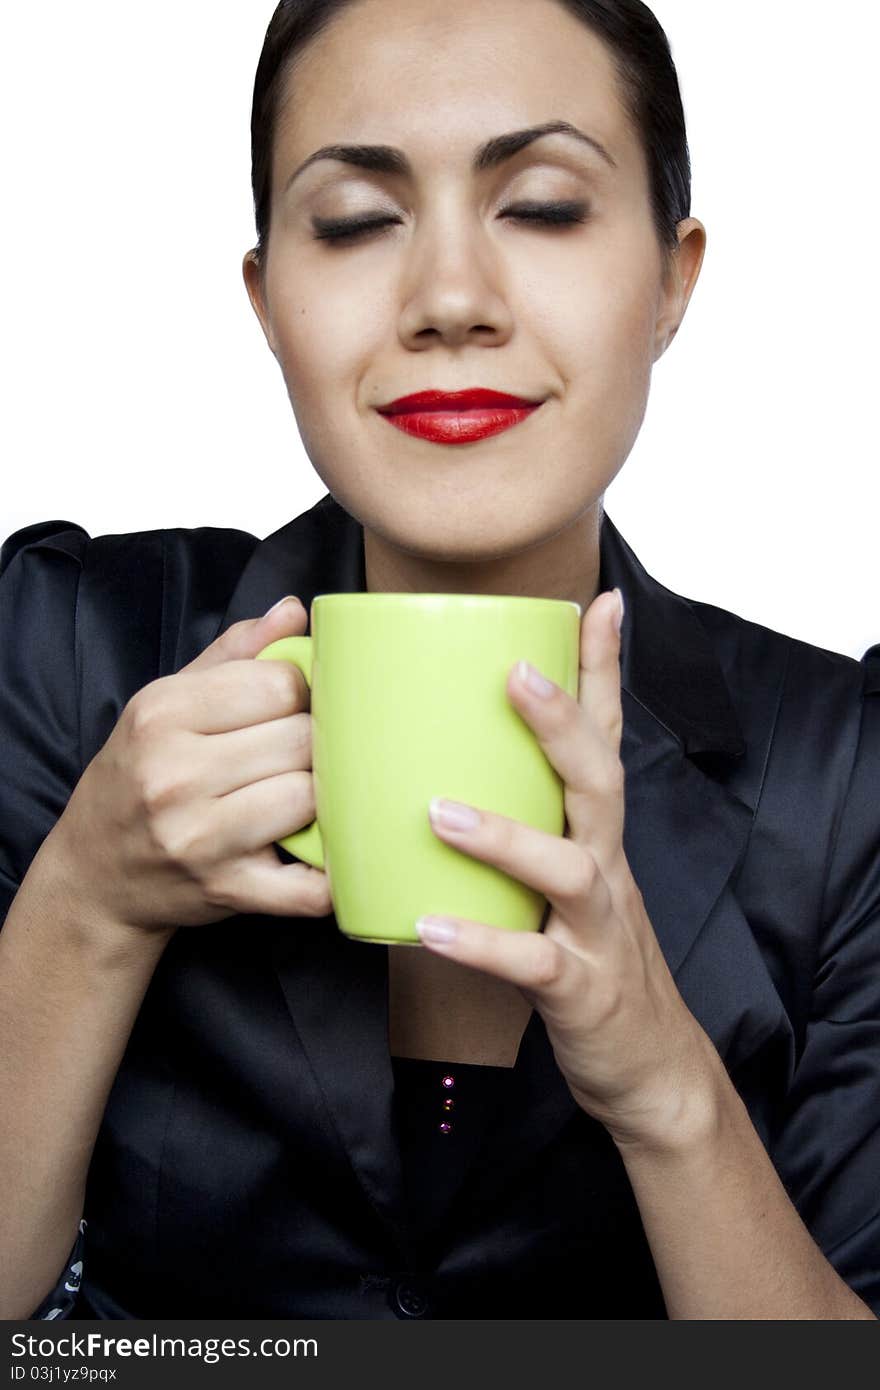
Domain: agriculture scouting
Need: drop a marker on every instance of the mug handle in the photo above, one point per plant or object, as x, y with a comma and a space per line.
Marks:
305, 844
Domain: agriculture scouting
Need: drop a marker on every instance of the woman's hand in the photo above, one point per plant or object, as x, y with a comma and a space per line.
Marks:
172, 822
632, 1053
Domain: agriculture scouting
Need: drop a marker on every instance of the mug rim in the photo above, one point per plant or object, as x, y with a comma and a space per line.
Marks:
407, 599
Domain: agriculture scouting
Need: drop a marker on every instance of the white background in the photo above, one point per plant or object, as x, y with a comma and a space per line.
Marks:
140, 391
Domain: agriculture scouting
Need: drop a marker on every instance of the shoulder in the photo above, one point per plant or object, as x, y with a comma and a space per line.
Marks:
820, 759
743, 644
62, 537
206, 561
798, 684
212, 549
40, 571
85, 621
810, 718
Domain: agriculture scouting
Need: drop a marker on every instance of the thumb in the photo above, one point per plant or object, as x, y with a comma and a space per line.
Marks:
287, 618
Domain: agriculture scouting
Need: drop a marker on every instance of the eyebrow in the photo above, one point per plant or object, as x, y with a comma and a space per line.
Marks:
385, 159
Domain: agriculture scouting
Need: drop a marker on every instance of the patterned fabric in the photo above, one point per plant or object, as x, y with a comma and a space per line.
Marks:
61, 1300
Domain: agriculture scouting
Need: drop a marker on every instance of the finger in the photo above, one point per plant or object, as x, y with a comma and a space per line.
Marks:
589, 768
566, 873
252, 817
543, 969
217, 764
233, 695
244, 639
261, 884
599, 686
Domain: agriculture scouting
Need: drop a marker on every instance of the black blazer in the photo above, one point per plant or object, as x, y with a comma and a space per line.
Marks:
247, 1164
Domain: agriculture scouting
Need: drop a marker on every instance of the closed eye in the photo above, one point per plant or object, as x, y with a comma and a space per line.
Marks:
544, 214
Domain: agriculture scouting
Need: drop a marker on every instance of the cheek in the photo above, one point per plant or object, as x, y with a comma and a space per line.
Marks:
594, 312
327, 329
626, 343
600, 340
603, 348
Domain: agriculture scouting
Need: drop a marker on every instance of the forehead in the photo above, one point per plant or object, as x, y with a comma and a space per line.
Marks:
437, 81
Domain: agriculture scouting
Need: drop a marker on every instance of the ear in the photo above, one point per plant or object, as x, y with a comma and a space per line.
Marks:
679, 280
253, 279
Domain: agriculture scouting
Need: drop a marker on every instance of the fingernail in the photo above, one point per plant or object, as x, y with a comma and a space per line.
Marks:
286, 599
436, 929
534, 681
453, 815
618, 621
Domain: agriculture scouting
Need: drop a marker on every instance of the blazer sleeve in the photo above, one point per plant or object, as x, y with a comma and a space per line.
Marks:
827, 1150
40, 567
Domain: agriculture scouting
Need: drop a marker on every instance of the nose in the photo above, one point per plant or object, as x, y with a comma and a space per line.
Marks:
452, 287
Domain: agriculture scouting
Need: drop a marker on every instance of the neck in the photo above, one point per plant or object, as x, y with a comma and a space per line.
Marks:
565, 567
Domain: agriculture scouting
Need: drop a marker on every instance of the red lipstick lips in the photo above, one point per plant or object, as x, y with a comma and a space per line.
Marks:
457, 417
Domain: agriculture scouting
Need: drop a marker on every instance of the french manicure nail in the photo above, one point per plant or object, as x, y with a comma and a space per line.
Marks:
453, 815
436, 929
534, 680
279, 603
618, 622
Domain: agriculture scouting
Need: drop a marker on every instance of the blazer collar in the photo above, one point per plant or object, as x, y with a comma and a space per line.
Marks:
685, 834
667, 662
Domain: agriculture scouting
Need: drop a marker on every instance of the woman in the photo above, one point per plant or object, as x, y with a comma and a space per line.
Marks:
664, 1104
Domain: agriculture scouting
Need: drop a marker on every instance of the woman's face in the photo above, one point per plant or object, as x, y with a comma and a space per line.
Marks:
455, 292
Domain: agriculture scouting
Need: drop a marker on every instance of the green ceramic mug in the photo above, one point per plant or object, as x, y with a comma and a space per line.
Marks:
408, 702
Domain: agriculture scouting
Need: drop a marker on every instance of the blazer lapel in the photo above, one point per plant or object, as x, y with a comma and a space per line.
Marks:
691, 789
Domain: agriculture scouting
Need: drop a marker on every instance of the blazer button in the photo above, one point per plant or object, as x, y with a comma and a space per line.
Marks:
409, 1301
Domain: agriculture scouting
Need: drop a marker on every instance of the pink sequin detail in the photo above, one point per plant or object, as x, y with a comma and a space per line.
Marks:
448, 1081
446, 1127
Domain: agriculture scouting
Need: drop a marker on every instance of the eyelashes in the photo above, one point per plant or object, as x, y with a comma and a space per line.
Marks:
345, 230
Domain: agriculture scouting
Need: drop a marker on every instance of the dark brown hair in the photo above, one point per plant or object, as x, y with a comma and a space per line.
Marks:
646, 73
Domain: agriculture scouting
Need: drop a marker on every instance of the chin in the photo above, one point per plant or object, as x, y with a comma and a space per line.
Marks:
476, 535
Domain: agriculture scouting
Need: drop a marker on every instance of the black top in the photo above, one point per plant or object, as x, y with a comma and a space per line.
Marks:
254, 1158
440, 1110
437, 1110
